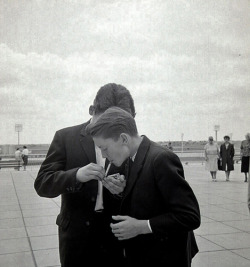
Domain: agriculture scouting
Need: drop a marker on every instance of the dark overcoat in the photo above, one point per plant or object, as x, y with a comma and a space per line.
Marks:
157, 191
227, 155
83, 237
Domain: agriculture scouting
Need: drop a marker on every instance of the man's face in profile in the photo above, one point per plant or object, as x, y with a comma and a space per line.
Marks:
116, 151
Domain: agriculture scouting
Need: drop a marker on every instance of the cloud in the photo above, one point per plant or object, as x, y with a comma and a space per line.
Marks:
185, 63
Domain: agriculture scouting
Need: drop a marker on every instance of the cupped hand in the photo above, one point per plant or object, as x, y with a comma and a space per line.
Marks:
115, 183
89, 172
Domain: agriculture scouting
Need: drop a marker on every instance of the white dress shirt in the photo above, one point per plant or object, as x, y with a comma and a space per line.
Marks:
100, 161
25, 152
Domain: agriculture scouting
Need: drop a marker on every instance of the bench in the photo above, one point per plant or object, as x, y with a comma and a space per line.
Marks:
10, 164
237, 158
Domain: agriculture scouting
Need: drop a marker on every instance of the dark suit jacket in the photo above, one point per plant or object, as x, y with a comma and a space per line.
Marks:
79, 229
227, 156
156, 190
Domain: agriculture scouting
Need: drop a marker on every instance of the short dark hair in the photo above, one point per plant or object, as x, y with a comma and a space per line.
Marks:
111, 95
226, 137
112, 123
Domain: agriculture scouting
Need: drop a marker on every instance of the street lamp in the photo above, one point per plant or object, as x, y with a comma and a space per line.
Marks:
216, 128
182, 134
18, 129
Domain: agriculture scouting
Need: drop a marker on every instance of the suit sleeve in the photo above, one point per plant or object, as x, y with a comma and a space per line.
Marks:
52, 179
182, 207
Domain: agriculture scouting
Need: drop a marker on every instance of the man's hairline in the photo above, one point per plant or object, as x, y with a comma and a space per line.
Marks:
114, 138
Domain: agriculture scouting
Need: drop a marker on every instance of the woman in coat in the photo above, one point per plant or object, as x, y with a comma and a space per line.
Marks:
227, 154
245, 153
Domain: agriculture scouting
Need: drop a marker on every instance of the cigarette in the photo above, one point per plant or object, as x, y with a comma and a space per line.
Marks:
107, 170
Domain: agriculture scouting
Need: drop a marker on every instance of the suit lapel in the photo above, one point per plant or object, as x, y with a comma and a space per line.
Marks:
87, 144
137, 165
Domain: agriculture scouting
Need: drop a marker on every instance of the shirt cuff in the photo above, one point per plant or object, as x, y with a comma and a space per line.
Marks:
149, 226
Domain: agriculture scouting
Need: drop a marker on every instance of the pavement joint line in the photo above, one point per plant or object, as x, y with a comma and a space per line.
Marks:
10, 253
238, 254
39, 224
208, 251
243, 231
224, 220
11, 238
226, 249
49, 248
9, 218
28, 238
59, 206
223, 248
226, 210
239, 231
45, 249
44, 235
231, 250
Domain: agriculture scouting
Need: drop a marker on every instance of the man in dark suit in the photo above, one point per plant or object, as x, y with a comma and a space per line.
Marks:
159, 210
74, 169
227, 155
248, 195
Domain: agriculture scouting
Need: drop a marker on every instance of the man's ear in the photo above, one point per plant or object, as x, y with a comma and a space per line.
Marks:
124, 138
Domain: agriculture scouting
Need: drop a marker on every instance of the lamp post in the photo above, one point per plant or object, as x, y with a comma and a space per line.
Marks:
18, 129
182, 134
216, 129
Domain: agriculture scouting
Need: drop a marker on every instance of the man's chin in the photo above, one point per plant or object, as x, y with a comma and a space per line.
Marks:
117, 164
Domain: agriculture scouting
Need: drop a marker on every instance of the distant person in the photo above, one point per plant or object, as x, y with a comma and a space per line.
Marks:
18, 157
25, 155
245, 153
248, 201
212, 154
227, 154
170, 146
159, 209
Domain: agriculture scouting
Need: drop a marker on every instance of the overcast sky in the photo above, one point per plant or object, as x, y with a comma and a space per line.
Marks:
186, 64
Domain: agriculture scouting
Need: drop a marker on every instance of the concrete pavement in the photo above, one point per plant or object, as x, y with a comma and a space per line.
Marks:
28, 233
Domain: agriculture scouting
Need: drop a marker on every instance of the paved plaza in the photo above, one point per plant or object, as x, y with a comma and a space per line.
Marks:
28, 233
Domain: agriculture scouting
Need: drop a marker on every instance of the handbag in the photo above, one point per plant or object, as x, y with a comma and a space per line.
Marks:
219, 162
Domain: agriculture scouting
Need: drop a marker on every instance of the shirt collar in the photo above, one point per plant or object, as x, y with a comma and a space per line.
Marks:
133, 158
